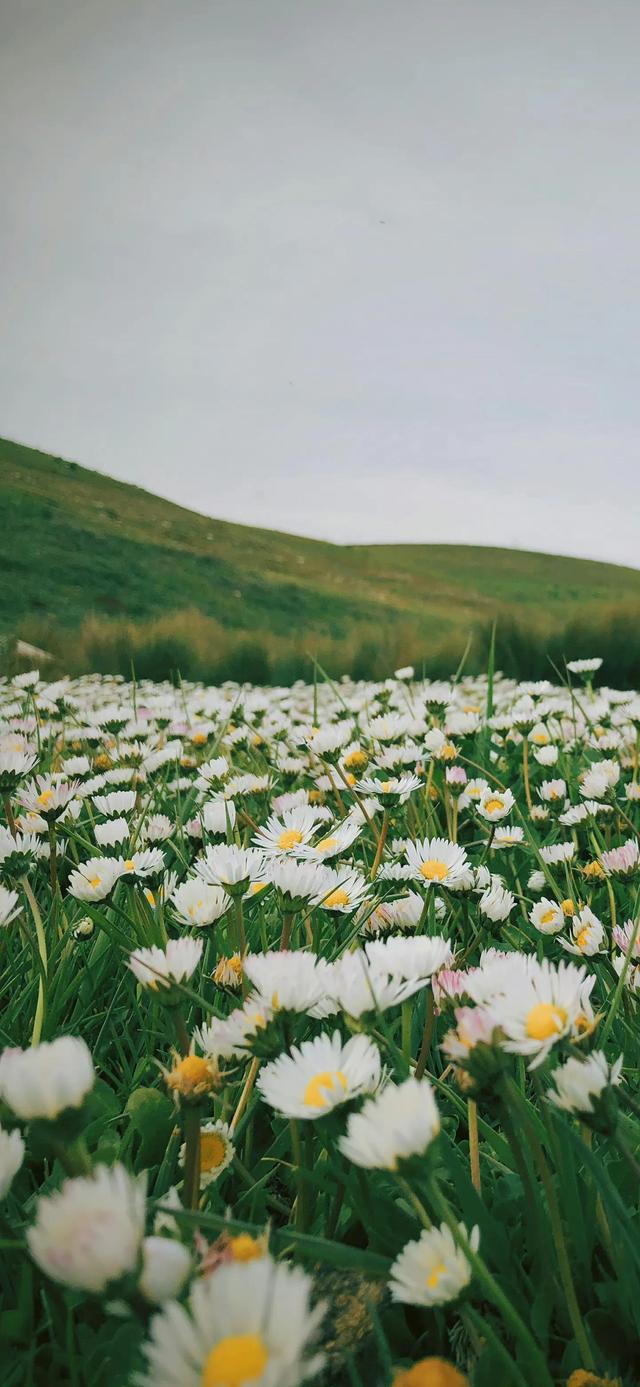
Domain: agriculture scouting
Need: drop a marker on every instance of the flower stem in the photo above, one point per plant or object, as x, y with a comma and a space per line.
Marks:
296, 1149
557, 1230
53, 858
381, 842
287, 926
42, 950
493, 1291
191, 1129
525, 772
427, 1034
181, 1031
246, 1093
406, 1030
6, 799
474, 1145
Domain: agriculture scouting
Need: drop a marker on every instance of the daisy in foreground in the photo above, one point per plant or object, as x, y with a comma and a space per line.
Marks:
320, 1074
88, 1234
249, 1323
432, 1270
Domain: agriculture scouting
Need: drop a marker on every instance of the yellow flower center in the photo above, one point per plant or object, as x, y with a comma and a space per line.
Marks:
593, 869
191, 912
192, 1074
199, 738
431, 1372
130, 865
339, 897
212, 1151
288, 839
315, 1094
492, 806
435, 1275
327, 844
150, 897
244, 1248
545, 1020
356, 758
548, 916
434, 870
95, 882
583, 938
568, 907
235, 1360
44, 798
257, 886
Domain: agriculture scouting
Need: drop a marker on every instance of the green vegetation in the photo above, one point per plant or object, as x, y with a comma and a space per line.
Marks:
99, 572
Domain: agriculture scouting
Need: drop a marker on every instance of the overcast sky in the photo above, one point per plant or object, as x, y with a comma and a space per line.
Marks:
360, 269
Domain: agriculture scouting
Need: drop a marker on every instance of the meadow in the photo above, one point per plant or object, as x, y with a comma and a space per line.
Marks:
319, 1014
107, 578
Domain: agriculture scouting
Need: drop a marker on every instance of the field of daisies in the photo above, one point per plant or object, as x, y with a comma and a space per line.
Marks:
319, 1025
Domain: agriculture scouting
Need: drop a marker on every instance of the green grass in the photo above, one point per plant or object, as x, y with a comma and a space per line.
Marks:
79, 544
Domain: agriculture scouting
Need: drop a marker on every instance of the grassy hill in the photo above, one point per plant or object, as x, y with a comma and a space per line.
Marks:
80, 548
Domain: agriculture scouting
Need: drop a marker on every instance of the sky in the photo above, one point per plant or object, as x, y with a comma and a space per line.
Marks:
365, 270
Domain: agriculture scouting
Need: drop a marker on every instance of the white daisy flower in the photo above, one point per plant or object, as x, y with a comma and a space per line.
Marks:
231, 867
357, 986
288, 979
320, 1074
495, 805
419, 956
14, 766
156, 829
587, 934
432, 1270
46, 1079
578, 1082
546, 1004
250, 1323
284, 835
10, 906
157, 968
400, 1121
197, 903
140, 865
166, 1265
115, 804
584, 666
344, 890
94, 880
216, 1151
557, 852
437, 862
88, 1235
231, 1036
12, 1150
300, 883
47, 796
336, 841
111, 833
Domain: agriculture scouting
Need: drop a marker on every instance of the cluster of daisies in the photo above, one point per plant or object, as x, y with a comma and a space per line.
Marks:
317, 976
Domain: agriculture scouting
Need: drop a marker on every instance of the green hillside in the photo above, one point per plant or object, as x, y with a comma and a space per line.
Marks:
80, 545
